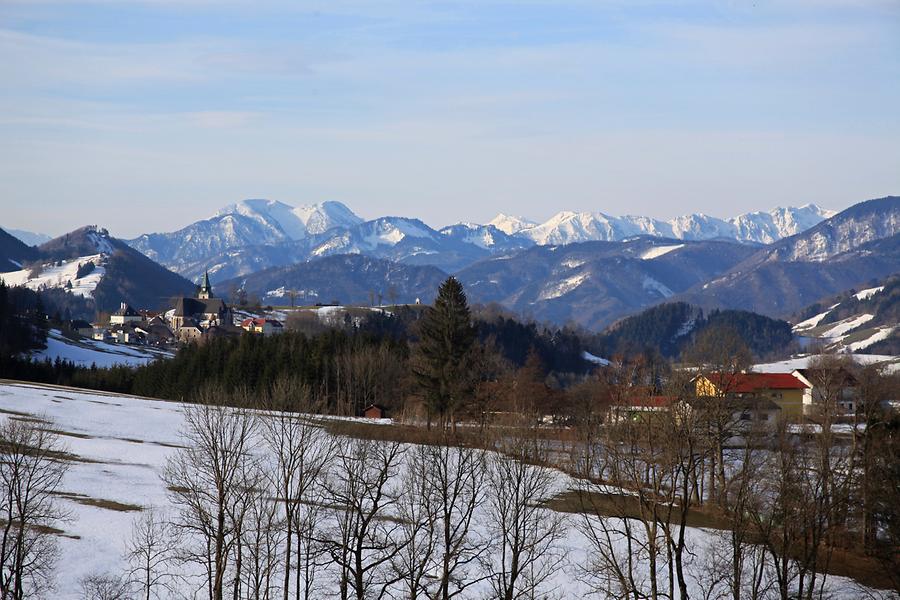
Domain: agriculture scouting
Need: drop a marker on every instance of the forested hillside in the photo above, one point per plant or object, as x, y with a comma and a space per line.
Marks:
672, 327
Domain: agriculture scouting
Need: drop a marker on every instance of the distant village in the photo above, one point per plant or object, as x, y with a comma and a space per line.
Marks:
194, 319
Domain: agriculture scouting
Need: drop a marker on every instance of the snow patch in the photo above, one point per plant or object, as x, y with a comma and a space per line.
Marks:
866, 294
652, 285
811, 322
563, 287
591, 358
657, 251
87, 352
844, 326
882, 333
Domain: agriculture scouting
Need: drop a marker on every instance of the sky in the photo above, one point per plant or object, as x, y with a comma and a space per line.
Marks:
146, 115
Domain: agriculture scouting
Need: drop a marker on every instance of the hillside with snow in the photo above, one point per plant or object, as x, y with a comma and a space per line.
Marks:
86, 352
116, 449
867, 319
80, 275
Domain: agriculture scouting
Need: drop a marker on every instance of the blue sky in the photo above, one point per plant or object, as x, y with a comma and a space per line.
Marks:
145, 115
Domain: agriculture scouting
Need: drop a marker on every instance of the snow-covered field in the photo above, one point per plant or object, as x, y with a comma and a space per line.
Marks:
86, 352
890, 363
122, 444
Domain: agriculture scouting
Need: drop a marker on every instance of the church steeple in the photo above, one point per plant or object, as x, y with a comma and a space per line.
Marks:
205, 288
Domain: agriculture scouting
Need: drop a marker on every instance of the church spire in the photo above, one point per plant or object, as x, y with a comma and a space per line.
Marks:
205, 288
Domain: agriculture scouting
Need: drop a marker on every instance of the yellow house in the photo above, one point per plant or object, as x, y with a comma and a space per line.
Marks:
783, 389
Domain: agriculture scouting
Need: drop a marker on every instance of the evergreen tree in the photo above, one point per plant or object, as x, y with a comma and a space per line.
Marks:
443, 369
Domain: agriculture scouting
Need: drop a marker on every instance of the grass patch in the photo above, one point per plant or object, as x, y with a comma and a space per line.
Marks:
100, 502
625, 505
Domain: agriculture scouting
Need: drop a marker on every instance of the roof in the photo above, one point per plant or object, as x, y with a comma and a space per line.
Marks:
824, 375
744, 383
81, 324
187, 307
259, 322
125, 310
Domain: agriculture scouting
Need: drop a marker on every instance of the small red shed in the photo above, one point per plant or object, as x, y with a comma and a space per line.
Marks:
375, 411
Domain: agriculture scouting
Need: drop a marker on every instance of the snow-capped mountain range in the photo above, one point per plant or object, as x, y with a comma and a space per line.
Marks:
272, 233
567, 227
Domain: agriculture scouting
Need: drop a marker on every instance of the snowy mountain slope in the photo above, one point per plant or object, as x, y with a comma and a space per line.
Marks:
80, 276
859, 244
408, 241
295, 234
594, 283
294, 222
855, 320
119, 273
206, 238
861, 223
243, 224
346, 279
758, 227
14, 252
29, 238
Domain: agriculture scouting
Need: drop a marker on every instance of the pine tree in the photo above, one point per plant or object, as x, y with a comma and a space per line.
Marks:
443, 369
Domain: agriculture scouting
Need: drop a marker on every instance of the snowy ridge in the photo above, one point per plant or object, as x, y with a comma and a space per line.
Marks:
567, 227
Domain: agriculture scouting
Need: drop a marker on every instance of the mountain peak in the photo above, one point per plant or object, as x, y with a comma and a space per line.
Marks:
294, 223
511, 224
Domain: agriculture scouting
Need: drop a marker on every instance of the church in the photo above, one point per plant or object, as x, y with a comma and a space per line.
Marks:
195, 315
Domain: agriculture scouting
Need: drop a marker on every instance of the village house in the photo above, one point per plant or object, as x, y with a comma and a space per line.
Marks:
640, 408
125, 314
837, 385
82, 327
262, 326
784, 389
743, 412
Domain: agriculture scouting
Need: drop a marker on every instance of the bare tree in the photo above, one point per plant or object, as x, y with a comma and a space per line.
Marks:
311, 552
260, 540
207, 483
31, 472
457, 473
526, 534
104, 587
635, 491
417, 509
149, 555
300, 451
365, 539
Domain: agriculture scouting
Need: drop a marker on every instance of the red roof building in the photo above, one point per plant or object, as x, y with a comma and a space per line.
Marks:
782, 388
